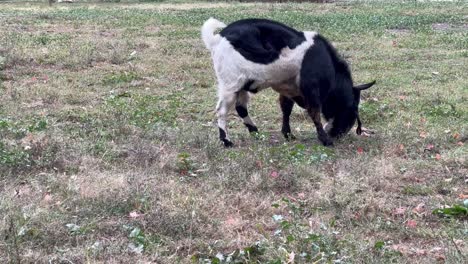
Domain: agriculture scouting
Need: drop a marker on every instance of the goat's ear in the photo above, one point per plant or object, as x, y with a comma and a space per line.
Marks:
364, 86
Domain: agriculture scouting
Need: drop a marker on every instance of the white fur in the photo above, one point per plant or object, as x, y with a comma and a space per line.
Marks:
329, 125
207, 31
233, 70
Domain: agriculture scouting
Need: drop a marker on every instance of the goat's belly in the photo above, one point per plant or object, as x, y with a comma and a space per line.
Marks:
274, 73
288, 88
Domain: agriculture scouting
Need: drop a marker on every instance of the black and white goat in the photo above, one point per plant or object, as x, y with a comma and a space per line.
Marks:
303, 67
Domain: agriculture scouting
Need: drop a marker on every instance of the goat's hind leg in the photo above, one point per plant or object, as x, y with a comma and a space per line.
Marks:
241, 108
225, 103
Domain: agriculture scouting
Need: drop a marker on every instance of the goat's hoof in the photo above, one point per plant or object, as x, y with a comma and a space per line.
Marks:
227, 143
326, 141
289, 136
251, 128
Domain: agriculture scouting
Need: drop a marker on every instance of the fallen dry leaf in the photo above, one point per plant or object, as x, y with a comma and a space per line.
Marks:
399, 211
411, 223
419, 208
134, 214
420, 252
439, 257
292, 198
456, 135
458, 242
438, 156
291, 257
274, 174
366, 132
34, 104
436, 250
403, 249
423, 134
429, 147
357, 215
463, 196
233, 222
259, 164
47, 198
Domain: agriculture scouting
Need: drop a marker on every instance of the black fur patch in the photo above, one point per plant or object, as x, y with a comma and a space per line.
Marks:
222, 134
261, 40
286, 105
227, 143
326, 84
242, 111
299, 101
251, 128
247, 87
222, 137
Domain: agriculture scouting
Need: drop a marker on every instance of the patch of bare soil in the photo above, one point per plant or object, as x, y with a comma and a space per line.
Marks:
99, 183
447, 26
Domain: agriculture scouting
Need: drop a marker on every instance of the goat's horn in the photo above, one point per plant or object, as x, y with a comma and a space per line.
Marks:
364, 86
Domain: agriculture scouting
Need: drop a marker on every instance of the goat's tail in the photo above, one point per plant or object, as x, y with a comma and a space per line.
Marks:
208, 30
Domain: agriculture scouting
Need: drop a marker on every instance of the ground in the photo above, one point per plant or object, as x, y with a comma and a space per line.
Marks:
109, 151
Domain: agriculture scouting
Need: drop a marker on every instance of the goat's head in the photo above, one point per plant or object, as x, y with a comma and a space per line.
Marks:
345, 119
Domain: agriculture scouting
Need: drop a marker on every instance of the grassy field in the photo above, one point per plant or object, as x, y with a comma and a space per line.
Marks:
109, 151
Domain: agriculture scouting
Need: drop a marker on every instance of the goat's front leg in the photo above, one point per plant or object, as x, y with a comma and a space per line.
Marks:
225, 103
241, 108
286, 105
310, 90
314, 113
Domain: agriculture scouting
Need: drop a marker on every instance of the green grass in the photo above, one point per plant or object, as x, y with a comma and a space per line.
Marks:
109, 150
